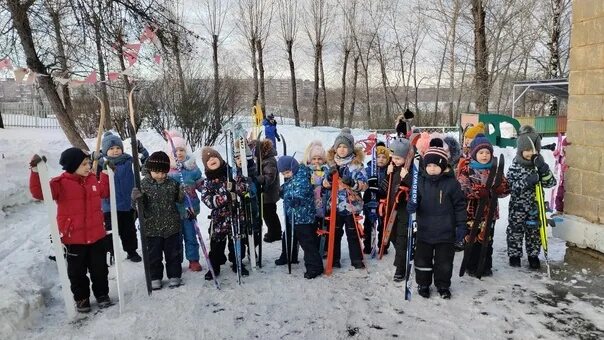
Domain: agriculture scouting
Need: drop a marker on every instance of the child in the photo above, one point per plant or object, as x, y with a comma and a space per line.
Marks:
160, 194
347, 160
398, 195
314, 158
468, 137
441, 220
219, 192
269, 181
297, 194
270, 130
372, 196
80, 220
526, 170
184, 165
562, 167
472, 178
113, 150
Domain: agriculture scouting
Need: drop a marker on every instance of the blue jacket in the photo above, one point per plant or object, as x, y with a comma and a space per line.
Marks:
192, 181
297, 194
270, 131
349, 201
124, 182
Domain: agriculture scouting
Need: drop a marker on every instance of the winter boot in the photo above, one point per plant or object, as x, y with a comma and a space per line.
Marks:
367, 250
208, 275
534, 262
269, 239
281, 261
104, 301
423, 291
133, 256
445, 293
311, 275
83, 306
336, 264
174, 282
244, 271
487, 272
156, 284
515, 261
194, 266
358, 265
399, 274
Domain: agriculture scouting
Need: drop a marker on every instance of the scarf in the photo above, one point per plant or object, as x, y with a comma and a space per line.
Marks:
479, 166
525, 163
119, 159
343, 161
217, 173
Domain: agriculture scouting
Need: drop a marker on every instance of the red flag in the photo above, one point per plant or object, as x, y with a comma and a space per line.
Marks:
113, 76
157, 58
91, 79
131, 53
6, 64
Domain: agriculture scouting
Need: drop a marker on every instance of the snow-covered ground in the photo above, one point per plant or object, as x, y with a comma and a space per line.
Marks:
270, 304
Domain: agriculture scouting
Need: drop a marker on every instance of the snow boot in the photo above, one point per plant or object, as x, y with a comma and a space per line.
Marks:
156, 284
269, 239
515, 261
194, 266
244, 271
487, 272
174, 282
399, 274
208, 275
83, 306
423, 291
281, 261
445, 293
358, 265
133, 256
336, 264
534, 262
311, 275
104, 301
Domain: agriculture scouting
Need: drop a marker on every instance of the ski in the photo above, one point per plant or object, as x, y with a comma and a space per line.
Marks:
190, 206
235, 221
475, 228
284, 145
119, 256
137, 183
410, 238
373, 204
490, 220
51, 210
249, 228
332, 223
540, 199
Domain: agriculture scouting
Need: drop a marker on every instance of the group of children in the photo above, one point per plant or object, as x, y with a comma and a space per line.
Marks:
447, 199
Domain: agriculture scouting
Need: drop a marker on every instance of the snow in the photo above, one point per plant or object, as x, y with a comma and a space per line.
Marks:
270, 304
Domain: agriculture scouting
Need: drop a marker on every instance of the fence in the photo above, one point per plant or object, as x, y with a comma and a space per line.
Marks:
28, 115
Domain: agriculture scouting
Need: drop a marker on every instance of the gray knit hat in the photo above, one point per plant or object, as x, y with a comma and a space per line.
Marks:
345, 137
400, 147
526, 134
110, 140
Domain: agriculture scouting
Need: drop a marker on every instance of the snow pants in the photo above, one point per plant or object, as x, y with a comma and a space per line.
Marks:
434, 260
347, 223
83, 259
368, 231
171, 248
217, 248
519, 230
127, 231
189, 237
272, 220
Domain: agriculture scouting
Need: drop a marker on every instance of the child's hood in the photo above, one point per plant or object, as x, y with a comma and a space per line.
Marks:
358, 160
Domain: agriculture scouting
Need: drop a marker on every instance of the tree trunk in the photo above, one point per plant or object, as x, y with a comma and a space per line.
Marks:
216, 118
440, 73
461, 87
368, 108
554, 51
292, 72
179, 70
481, 77
315, 95
1, 121
254, 72
343, 96
260, 48
324, 90
22, 26
355, 78
385, 87
121, 122
61, 56
452, 64
101, 64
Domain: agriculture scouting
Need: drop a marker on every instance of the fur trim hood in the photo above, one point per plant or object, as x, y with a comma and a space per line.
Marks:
359, 157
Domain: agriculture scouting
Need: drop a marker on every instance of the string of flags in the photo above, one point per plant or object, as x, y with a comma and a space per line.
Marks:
130, 53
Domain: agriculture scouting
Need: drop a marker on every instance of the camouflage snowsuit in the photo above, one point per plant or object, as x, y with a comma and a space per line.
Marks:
523, 209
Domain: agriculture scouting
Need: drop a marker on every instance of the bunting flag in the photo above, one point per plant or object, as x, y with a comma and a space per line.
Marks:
6, 64
91, 78
157, 59
131, 53
113, 76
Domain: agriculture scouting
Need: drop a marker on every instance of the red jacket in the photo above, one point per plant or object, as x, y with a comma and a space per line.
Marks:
79, 213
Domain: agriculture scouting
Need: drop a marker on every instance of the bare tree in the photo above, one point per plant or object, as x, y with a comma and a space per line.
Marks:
481, 78
288, 14
316, 28
349, 13
355, 77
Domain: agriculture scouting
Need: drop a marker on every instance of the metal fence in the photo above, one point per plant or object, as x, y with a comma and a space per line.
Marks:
28, 115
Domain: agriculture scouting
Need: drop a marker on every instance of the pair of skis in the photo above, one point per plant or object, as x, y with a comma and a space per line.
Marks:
543, 220
235, 220
493, 181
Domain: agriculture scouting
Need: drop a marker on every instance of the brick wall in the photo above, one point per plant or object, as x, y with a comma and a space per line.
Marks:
585, 178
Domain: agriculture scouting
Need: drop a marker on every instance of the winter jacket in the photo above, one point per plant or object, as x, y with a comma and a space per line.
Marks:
471, 181
349, 199
441, 208
191, 177
319, 193
250, 197
214, 195
381, 177
268, 178
124, 182
297, 194
399, 193
78, 198
160, 207
522, 199
270, 131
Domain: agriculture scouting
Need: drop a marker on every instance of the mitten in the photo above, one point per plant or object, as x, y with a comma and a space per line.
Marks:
540, 164
532, 179
35, 160
136, 194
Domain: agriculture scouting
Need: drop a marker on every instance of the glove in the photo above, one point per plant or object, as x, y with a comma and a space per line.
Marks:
96, 156
459, 246
348, 181
191, 214
136, 194
411, 207
540, 164
35, 160
109, 165
460, 234
332, 171
372, 182
532, 179
481, 191
140, 147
